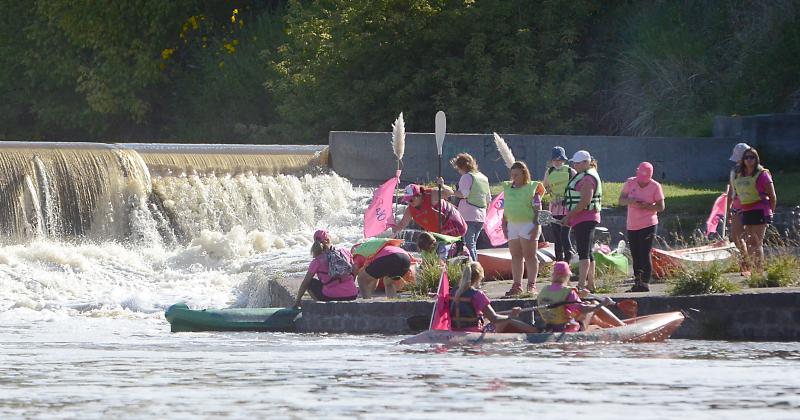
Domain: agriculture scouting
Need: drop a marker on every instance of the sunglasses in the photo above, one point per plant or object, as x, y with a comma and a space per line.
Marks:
748, 157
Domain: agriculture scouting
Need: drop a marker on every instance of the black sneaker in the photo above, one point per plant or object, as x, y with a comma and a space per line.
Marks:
639, 287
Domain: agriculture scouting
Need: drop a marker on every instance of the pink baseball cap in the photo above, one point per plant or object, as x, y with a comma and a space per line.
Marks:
644, 173
411, 191
561, 268
321, 235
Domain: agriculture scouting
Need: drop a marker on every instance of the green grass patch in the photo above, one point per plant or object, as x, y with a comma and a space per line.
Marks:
702, 280
428, 275
781, 271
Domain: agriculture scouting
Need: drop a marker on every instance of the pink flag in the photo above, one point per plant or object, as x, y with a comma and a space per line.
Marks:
493, 224
717, 214
441, 309
379, 215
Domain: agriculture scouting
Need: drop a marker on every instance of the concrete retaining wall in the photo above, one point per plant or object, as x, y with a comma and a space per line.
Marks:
778, 134
765, 316
368, 157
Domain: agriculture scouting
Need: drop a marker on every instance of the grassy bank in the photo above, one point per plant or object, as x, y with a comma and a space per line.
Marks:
698, 198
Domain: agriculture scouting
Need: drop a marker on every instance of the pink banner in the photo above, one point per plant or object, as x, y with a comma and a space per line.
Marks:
441, 311
493, 225
379, 215
717, 214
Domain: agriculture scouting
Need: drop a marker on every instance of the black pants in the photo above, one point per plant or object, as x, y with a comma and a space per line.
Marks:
584, 239
641, 242
560, 236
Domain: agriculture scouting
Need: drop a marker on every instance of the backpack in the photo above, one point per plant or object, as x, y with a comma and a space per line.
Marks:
338, 265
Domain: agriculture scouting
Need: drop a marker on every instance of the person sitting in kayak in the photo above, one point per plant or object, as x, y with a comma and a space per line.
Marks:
439, 247
571, 310
421, 209
382, 259
333, 270
470, 308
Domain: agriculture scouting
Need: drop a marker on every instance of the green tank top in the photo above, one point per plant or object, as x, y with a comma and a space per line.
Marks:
517, 205
557, 315
479, 191
558, 180
745, 188
370, 246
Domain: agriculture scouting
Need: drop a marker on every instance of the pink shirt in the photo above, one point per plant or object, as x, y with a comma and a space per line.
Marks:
585, 215
344, 287
479, 302
764, 179
651, 193
389, 250
469, 212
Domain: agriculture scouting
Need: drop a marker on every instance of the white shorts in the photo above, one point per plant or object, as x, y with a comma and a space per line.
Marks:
520, 230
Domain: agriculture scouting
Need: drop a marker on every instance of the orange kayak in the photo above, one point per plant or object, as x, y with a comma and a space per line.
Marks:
496, 262
665, 262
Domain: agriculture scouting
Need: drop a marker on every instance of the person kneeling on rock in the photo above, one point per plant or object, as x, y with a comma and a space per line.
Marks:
390, 263
470, 307
333, 270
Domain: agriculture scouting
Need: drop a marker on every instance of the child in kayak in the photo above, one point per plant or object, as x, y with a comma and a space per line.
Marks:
323, 287
469, 307
568, 316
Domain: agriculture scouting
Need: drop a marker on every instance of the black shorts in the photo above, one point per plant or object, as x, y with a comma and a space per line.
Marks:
755, 217
392, 265
315, 287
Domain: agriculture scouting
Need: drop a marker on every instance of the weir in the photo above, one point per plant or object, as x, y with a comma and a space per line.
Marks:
96, 191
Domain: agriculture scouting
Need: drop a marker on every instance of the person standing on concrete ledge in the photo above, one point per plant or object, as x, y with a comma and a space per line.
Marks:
753, 185
555, 182
333, 270
583, 198
522, 200
473, 191
734, 207
644, 198
422, 210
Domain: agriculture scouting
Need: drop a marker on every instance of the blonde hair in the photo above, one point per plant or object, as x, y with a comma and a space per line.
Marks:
526, 174
465, 162
472, 275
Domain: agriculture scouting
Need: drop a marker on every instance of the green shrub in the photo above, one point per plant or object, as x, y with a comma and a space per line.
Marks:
702, 280
782, 271
607, 279
428, 275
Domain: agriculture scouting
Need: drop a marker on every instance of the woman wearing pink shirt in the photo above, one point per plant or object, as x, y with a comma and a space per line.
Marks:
322, 287
644, 198
583, 198
753, 186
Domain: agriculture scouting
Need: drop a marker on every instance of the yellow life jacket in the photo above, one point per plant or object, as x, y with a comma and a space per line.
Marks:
517, 202
479, 191
558, 178
572, 196
557, 315
746, 189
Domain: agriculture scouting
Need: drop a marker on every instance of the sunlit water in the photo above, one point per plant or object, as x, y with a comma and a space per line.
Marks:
82, 333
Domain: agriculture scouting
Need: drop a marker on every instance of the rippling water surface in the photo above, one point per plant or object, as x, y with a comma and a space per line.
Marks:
91, 368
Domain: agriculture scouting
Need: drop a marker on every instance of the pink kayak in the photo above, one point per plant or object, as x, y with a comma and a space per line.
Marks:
648, 328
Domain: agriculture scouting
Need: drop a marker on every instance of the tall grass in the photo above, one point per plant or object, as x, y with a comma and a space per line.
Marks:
428, 275
701, 280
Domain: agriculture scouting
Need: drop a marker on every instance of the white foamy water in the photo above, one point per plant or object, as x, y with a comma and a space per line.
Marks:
82, 331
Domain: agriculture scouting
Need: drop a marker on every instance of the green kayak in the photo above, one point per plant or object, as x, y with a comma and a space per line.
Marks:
613, 261
183, 319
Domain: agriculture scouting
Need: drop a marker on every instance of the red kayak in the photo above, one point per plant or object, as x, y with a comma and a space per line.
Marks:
648, 328
666, 262
496, 262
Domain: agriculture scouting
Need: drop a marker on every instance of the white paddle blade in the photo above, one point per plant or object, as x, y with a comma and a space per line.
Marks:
441, 128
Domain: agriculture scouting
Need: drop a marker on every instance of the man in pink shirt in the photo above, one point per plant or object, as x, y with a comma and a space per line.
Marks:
644, 198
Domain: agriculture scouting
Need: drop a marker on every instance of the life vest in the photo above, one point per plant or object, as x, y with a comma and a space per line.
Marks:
517, 205
557, 315
371, 247
572, 196
462, 313
479, 191
746, 188
428, 217
558, 178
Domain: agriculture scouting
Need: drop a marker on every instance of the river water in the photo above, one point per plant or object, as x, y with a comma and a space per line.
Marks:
82, 331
